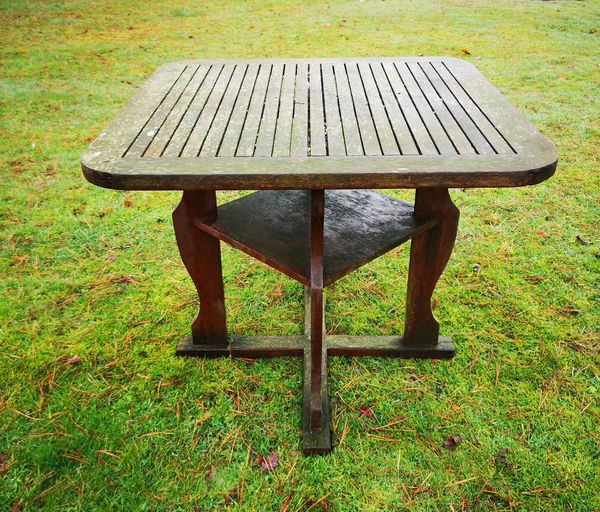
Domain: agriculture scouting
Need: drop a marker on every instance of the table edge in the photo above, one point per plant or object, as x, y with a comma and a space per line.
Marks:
183, 178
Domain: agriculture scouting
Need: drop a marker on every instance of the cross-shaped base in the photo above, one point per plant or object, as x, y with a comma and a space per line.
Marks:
432, 242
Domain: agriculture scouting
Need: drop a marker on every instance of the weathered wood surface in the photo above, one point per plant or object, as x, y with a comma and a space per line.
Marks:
317, 355
201, 255
318, 123
338, 345
316, 430
429, 253
274, 227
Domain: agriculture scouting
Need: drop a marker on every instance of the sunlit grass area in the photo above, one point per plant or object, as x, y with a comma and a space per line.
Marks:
97, 413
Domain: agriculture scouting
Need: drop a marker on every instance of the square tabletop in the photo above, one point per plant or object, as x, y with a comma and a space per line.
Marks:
318, 123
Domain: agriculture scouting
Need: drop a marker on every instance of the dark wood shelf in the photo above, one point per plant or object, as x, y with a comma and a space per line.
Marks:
274, 227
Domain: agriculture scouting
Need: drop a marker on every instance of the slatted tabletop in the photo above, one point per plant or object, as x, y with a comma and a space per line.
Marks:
318, 123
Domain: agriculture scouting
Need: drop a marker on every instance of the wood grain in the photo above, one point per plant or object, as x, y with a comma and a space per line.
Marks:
201, 255
429, 253
318, 124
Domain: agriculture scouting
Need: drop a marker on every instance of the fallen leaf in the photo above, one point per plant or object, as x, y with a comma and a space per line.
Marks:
210, 474
232, 497
502, 458
582, 241
570, 310
121, 279
452, 442
269, 462
127, 202
366, 411
465, 51
70, 359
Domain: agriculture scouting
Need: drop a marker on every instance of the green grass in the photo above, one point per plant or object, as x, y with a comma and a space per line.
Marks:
94, 273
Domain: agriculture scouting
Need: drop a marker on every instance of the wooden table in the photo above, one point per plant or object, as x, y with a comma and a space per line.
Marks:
314, 137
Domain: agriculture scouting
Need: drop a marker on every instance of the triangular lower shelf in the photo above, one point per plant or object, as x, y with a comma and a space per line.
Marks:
274, 227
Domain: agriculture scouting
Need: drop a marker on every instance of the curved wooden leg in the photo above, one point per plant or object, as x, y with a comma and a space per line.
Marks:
429, 253
201, 255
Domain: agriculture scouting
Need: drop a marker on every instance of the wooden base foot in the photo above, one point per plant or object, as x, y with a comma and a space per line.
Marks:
315, 441
346, 346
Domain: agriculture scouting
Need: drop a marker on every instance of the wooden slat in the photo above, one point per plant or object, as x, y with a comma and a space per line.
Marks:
401, 130
211, 144
333, 123
116, 138
204, 122
432, 124
318, 143
523, 156
387, 139
153, 125
300, 121
363, 114
487, 128
248, 137
451, 127
352, 139
182, 133
408, 107
176, 116
283, 129
233, 131
266, 129
471, 131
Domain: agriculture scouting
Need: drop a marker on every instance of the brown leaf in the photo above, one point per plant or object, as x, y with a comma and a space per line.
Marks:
127, 202
366, 411
269, 462
232, 497
70, 359
570, 310
210, 474
465, 51
452, 442
582, 241
502, 458
121, 279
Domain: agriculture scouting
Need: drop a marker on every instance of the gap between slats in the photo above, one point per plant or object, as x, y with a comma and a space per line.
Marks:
144, 128
444, 65
318, 109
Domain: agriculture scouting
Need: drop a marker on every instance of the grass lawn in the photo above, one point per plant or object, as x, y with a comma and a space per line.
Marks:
98, 414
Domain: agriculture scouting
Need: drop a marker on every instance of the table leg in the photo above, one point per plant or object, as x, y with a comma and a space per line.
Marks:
317, 435
429, 253
201, 255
